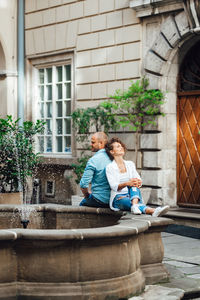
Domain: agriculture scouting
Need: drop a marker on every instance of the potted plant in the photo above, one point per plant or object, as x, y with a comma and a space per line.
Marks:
18, 160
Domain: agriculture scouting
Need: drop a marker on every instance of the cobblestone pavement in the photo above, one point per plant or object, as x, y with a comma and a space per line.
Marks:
182, 260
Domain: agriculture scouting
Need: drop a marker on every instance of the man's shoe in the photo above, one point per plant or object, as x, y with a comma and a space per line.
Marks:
135, 210
160, 211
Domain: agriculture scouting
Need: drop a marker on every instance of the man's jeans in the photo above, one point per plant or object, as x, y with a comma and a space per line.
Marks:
93, 202
123, 201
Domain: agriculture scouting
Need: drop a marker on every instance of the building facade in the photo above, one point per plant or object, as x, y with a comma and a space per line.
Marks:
77, 52
8, 58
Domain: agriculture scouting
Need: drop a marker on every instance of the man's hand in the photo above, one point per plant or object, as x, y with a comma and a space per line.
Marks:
135, 182
85, 193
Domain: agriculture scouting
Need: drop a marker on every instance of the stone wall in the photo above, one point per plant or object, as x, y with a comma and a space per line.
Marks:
104, 38
8, 58
113, 42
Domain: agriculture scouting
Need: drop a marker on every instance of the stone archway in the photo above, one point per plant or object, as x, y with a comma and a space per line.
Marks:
161, 66
173, 32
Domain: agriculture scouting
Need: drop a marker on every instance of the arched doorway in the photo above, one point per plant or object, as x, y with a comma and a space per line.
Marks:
188, 130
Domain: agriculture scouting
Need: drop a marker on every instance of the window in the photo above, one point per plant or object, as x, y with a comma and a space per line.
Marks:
50, 188
189, 75
54, 101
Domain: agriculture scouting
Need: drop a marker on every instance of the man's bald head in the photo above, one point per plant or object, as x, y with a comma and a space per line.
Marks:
98, 141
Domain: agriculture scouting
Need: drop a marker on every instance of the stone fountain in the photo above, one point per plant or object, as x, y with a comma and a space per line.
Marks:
79, 253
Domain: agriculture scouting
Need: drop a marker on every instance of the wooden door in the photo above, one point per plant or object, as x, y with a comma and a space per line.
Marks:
188, 152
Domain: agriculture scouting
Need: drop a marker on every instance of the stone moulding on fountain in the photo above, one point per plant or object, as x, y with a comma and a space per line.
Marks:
80, 253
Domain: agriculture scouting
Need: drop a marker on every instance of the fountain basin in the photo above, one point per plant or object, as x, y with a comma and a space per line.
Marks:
80, 253
11, 198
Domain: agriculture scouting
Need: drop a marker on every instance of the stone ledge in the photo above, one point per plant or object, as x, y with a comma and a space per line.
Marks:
185, 216
71, 254
146, 193
127, 225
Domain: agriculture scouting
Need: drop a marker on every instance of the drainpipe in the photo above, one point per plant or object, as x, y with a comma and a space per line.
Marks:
20, 61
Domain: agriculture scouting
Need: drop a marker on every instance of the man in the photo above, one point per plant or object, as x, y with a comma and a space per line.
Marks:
96, 175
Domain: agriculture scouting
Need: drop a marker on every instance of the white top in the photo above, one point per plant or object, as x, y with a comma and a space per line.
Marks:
123, 177
113, 176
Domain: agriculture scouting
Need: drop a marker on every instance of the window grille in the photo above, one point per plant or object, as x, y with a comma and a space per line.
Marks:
54, 107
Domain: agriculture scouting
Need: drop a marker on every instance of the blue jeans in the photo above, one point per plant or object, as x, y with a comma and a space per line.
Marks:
93, 202
125, 202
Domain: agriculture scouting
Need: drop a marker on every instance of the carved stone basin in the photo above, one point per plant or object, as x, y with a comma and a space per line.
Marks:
79, 253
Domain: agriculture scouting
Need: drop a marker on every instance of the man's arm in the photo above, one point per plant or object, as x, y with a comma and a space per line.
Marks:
87, 178
85, 192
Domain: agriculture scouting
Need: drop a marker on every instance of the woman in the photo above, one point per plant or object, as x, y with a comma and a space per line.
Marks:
125, 182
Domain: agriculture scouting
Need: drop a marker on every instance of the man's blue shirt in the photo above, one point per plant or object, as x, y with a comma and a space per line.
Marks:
95, 173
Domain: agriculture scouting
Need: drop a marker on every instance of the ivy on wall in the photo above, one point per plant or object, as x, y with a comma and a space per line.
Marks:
133, 108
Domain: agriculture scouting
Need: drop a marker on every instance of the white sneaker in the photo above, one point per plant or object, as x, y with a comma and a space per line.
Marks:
159, 211
135, 210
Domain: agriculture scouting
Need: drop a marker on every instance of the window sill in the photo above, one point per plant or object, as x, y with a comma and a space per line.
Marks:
58, 160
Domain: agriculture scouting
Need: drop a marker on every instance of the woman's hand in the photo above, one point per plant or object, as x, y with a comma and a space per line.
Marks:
135, 182
132, 182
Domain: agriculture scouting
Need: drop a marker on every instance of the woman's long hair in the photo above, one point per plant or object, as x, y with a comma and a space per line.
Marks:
109, 146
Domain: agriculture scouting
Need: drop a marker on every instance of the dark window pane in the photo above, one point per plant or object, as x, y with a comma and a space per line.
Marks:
41, 110
59, 144
49, 126
189, 75
68, 72
67, 108
59, 109
59, 73
41, 75
49, 75
41, 144
68, 90
59, 91
49, 144
67, 144
41, 93
67, 126
49, 92
49, 187
49, 110
59, 126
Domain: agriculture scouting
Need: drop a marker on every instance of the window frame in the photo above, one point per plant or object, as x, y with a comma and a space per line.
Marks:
52, 61
48, 194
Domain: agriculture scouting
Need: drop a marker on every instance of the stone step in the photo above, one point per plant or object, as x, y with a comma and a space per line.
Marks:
153, 292
185, 216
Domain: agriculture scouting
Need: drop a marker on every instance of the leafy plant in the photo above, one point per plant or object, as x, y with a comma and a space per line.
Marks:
18, 159
99, 118
84, 120
136, 107
133, 108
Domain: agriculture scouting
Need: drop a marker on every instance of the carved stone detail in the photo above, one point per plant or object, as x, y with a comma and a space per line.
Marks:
192, 9
173, 30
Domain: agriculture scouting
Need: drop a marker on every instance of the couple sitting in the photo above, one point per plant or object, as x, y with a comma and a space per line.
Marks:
114, 181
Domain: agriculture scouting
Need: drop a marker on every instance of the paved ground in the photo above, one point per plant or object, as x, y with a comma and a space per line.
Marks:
182, 260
